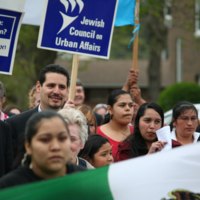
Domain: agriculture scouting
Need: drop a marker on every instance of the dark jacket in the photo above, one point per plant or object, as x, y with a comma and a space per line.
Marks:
17, 125
6, 154
23, 175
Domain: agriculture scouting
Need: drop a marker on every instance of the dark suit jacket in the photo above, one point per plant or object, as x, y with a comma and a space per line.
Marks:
17, 126
6, 155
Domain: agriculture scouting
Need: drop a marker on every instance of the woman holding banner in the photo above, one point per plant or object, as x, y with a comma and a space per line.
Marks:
149, 119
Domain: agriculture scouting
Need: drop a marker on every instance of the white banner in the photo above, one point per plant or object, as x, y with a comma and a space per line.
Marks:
16, 5
158, 176
33, 12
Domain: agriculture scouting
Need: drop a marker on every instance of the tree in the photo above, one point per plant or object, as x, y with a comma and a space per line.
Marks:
121, 39
154, 32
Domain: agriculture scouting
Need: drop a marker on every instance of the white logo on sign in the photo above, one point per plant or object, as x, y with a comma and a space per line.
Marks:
66, 18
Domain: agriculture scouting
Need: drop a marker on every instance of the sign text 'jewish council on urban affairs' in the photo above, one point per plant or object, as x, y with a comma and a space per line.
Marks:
79, 27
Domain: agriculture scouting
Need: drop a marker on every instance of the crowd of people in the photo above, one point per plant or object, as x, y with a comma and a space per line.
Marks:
56, 137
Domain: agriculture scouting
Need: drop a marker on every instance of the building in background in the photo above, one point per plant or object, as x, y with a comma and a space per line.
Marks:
183, 21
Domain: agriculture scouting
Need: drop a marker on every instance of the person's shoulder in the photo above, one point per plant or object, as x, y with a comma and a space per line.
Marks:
100, 129
175, 143
12, 178
131, 127
18, 176
71, 168
24, 115
196, 136
103, 131
4, 131
84, 163
3, 124
198, 139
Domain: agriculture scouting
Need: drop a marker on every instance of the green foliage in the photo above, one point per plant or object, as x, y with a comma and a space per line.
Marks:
151, 34
120, 41
178, 92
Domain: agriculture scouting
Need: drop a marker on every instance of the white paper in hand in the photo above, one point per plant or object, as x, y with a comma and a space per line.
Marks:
164, 135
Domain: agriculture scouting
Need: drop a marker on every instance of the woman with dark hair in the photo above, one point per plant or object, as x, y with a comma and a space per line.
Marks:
184, 124
97, 151
47, 144
118, 127
149, 119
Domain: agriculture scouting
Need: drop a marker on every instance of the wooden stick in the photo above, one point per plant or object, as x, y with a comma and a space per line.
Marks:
135, 53
74, 74
136, 40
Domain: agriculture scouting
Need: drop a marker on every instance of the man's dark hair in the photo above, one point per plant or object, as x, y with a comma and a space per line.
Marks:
55, 69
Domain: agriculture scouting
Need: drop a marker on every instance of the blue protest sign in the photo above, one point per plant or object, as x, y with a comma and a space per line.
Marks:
9, 30
78, 26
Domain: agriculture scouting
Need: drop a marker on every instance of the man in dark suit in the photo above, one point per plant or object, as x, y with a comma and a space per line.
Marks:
5, 149
53, 86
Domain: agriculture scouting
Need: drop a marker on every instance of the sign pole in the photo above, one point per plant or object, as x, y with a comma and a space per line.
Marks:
74, 74
135, 43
